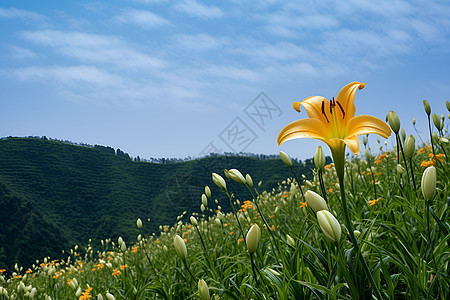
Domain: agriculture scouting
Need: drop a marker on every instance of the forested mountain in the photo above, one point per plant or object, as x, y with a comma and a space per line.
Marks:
54, 195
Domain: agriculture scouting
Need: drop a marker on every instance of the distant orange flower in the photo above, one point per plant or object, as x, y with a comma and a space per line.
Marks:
100, 266
427, 163
328, 166
28, 271
372, 202
135, 249
303, 204
231, 233
438, 156
115, 272
330, 190
189, 226
42, 265
380, 158
2, 271
247, 204
166, 229
240, 240
123, 267
185, 240
85, 294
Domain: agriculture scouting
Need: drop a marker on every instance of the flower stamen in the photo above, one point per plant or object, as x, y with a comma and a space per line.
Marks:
323, 111
342, 109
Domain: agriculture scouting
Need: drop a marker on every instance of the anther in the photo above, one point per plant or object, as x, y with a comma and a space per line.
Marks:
342, 109
323, 111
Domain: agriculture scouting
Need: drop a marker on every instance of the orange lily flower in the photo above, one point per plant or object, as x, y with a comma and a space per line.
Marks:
334, 122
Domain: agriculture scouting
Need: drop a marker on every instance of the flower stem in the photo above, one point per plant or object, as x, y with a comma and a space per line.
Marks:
348, 224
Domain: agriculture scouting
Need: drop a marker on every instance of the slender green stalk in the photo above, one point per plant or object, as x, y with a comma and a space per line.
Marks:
322, 185
348, 224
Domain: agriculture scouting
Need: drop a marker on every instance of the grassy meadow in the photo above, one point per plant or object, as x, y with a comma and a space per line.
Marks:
292, 242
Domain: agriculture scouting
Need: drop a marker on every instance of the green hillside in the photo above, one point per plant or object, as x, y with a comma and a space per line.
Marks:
54, 195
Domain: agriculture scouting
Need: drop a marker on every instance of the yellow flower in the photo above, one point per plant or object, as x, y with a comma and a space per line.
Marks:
334, 122
373, 202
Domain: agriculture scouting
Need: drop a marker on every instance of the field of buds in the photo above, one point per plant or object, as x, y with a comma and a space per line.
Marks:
370, 226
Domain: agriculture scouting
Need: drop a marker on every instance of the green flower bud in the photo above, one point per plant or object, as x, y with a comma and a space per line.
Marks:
400, 169
435, 137
428, 183
394, 121
437, 122
319, 158
207, 192
203, 290
218, 222
290, 241
414, 121
249, 180
286, 159
180, 247
410, 146
78, 292
252, 238
202, 208
448, 105
139, 223
315, 201
365, 140
204, 200
219, 181
403, 135
193, 221
329, 225
110, 296
427, 107
367, 154
236, 176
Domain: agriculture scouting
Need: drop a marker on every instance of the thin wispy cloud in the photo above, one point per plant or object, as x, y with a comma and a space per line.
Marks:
12, 12
21, 53
196, 9
144, 18
199, 42
73, 76
94, 48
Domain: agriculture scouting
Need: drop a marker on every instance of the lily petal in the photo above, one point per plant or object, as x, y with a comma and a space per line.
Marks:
346, 97
313, 107
312, 128
364, 124
353, 143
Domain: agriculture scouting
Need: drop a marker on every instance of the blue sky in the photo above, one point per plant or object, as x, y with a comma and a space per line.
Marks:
180, 78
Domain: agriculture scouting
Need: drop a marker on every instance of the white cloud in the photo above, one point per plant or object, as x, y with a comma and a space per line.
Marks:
21, 53
20, 13
198, 42
143, 18
199, 10
94, 48
72, 76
